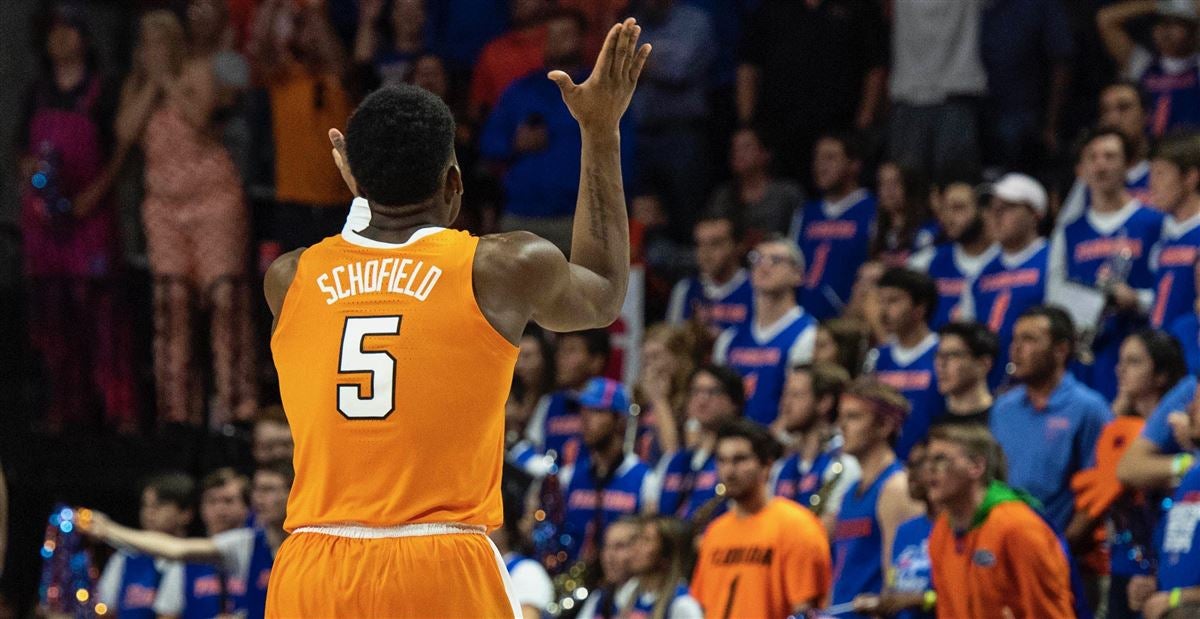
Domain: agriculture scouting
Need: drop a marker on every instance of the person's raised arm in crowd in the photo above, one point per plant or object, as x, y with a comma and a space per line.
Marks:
1111, 22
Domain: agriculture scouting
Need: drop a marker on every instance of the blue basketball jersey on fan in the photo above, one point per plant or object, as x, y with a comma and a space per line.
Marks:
725, 305
801, 484
204, 587
642, 607
1179, 552
562, 427
911, 571
911, 373
858, 542
687, 484
951, 279
762, 358
592, 504
139, 587
1088, 250
1174, 263
1186, 329
254, 600
1172, 99
1005, 288
834, 246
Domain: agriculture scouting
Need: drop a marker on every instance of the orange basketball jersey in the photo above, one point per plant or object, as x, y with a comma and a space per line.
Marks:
394, 384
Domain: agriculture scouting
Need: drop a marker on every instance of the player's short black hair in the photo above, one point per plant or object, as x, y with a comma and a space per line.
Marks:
918, 286
730, 381
399, 141
765, 447
851, 143
975, 336
1062, 328
172, 487
596, 341
736, 228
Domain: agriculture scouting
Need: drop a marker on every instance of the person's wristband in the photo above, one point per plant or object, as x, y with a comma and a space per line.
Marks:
929, 600
1173, 598
1181, 464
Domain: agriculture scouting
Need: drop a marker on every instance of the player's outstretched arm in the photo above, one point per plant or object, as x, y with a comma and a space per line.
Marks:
587, 290
193, 550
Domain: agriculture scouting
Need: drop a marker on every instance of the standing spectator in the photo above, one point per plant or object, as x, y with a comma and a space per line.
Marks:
605, 601
956, 263
510, 56
808, 68
130, 582
1168, 75
669, 355
1026, 48
907, 300
297, 55
211, 40
766, 557
936, 79
689, 476
834, 231
196, 226
992, 553
1015, 279
555, 425
1151, 363
905, 224
720, 296
966, 353
1048, 425
870, 417
659, 587
816, 474
599, 14
462, 27
1121, 108
844, 342
604, 483
760, 203
671, 107
533, 134
780, 334
69, 159
1100, 263
389, 60
1175, 188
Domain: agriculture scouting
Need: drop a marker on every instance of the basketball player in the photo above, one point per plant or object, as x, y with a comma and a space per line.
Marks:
395, 347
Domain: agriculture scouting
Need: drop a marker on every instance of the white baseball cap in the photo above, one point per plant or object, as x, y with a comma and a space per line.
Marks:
1178, 9
1021, 189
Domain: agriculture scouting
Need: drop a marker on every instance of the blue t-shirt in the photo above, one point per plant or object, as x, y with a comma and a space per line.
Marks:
1004, 289
686, 486
1172, 100
1186, 329
1046, 448
1174, 263
858, 542
1179, 552
763, 357
834, 247
1157, 429
911, 373
911, 567
206, 592
139, 586
726, 305
594, 503
951, 280
562, 426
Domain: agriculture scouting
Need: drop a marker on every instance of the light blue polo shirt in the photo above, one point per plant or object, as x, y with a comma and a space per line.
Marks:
1157, 430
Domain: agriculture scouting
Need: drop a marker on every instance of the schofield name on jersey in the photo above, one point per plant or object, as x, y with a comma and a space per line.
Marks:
391, 275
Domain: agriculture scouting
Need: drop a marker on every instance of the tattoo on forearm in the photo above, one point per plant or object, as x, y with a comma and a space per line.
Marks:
599, 208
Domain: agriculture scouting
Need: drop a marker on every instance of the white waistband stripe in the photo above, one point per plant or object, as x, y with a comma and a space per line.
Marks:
408, 530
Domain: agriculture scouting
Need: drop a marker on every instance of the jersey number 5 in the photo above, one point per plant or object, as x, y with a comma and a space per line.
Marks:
380, 364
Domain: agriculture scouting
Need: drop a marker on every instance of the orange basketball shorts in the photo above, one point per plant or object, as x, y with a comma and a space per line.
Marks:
424, 570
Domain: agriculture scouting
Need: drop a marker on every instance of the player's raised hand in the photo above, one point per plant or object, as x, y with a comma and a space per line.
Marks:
600, 101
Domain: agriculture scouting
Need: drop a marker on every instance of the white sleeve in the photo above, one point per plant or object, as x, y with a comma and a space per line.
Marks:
531, 585
589, 607
565, 474
359, 217
651, 488
169, 599
801, 351
235, 547
921, 260
851, 473
721, 346
1139, 60
797, 223
685, 607
773, 476
1073, 205
1083, 303
535, 430
108, 590
964, 310
678, 297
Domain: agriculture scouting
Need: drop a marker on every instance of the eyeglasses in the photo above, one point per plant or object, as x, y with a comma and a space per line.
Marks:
756, 258
938, 463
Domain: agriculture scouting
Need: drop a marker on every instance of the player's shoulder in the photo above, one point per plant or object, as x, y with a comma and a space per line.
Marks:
517, 249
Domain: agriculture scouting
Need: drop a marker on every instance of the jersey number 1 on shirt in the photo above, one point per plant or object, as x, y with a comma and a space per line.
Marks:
380, 364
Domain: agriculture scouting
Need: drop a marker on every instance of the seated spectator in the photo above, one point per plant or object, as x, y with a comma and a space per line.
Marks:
762, 204
1158, 458
615, 560
669, 355
1049, 424
130, 582
510, 56
905, 224
844, 342
389, 60
834, 232
780, 334
660, 556
907, 300
969, 247
720, 296
1175, 189
1018, 565
965, 355
1168, 75
767, 557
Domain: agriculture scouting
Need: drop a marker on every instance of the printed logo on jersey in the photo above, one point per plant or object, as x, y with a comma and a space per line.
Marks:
755, 357
611, 500
951, 287
835, 229
139, 596
983, 558
906, 380
1097, 249
728, 312
1005, 280
751, 555
853, 528
1177, 256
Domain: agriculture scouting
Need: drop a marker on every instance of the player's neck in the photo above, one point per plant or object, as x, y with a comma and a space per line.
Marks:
839, 192
976, 246
752, 503
753, 184
1018, 245
769, 307
1188, 208
961, 510
397, 224
652, 580
969, 401
1110, 201
913, 335
724, 274
607, 457
1039, 389
1145, 404
874, 462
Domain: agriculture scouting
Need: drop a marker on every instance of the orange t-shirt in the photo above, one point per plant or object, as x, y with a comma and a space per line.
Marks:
394, 384
1011, 561
765, 565
304, 107
503, 61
